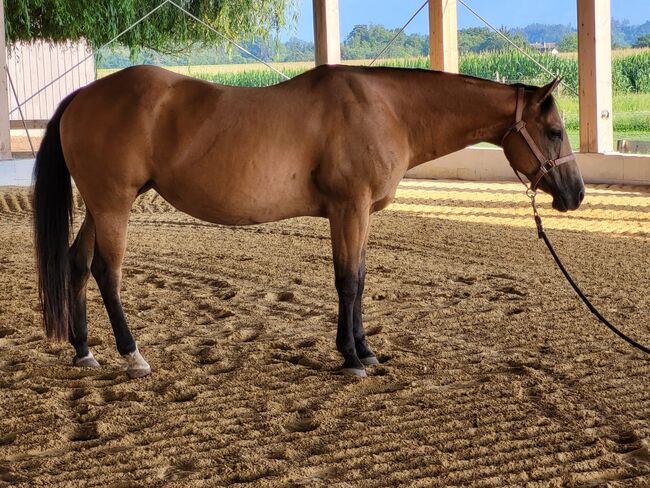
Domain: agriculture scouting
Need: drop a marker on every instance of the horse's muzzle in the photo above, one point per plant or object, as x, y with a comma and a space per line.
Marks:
565, 200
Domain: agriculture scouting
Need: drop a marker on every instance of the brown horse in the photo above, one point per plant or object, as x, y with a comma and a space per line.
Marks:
333, 142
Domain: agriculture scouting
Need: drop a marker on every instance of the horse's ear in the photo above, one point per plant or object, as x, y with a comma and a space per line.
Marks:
543, 92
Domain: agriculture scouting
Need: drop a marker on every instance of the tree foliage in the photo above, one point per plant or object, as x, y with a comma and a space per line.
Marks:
624, 34
367, 41
544, 32
98, 21
568, 43
479, 39
643, 41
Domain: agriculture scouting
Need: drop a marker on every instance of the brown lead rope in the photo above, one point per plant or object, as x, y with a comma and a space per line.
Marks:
542, 235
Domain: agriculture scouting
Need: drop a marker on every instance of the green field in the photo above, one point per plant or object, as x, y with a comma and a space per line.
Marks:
631, 112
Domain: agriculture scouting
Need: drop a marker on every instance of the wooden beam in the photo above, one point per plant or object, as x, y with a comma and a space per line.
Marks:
5, 133
31, 124
595, 75
327, 38
443, 35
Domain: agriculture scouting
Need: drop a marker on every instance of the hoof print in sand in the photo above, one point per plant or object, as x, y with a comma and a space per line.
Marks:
282, 296
184, 396
467, 280
85, 432
6, 331
301, 424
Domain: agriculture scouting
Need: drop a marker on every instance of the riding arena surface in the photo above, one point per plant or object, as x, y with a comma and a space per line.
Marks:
492, 372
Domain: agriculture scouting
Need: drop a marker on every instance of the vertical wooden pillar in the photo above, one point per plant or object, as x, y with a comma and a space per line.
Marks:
5, 132
595, 75
327, 38
443, 35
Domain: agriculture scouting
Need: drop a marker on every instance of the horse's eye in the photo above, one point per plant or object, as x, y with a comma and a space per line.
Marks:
555, 133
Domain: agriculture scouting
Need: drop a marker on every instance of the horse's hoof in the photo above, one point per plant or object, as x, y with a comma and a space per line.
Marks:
88, 361
356, 372
370, 361
136, 366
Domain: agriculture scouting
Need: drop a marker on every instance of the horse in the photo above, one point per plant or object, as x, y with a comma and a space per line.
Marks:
333, 142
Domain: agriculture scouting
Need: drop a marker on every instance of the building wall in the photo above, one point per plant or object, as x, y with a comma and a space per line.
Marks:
36, 64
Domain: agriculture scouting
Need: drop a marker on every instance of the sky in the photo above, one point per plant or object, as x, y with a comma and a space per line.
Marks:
511, 13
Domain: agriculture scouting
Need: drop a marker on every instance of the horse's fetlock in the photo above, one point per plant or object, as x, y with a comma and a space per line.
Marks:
345, 348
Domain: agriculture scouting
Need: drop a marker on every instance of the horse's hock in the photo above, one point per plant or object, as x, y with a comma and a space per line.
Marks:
492, 372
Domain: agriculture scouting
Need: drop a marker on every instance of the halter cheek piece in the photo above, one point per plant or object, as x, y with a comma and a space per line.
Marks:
545, 164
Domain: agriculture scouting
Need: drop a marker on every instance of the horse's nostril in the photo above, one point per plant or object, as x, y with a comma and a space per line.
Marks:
581, 196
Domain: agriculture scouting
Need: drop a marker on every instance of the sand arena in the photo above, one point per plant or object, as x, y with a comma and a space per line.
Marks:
492, 372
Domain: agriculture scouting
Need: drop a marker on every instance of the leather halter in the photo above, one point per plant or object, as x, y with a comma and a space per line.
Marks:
545, 164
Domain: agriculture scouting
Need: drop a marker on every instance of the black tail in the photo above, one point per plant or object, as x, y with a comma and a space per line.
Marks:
52, 203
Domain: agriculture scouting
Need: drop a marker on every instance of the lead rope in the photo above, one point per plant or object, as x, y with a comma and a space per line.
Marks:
530, 193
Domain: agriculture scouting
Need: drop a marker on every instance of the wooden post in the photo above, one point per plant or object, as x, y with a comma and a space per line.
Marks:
443, 35
595, 75
327, 38
5, 133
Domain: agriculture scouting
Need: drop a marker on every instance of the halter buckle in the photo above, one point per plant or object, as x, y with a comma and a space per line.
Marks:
547, 166
517, 126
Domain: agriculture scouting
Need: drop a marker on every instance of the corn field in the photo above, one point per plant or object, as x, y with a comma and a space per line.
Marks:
630, 73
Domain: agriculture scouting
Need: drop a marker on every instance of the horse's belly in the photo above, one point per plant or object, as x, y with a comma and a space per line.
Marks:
235, 202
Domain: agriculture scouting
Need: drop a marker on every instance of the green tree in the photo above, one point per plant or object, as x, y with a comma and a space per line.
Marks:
643, 41
99, 21
366, 41
479, 39
295, 50
568, 43
470, 40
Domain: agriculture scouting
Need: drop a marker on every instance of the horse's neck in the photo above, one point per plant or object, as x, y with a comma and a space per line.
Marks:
450, 112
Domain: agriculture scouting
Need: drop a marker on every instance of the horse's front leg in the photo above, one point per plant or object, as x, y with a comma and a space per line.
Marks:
365, 354
349, 228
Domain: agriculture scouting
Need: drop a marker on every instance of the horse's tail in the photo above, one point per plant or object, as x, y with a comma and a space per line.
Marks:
53, 208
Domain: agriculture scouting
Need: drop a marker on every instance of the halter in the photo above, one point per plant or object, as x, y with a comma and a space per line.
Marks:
545, 164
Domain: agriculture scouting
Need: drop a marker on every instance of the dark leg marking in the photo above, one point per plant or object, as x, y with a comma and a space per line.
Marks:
365, 354
108, 281
347, 285
81, 255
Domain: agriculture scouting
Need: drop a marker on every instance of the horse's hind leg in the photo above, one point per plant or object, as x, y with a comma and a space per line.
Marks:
110, 244
81, 255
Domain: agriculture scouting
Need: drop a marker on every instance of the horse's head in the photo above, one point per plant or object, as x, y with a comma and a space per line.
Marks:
537, 146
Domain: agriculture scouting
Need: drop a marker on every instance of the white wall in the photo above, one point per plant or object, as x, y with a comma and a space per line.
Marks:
490, 164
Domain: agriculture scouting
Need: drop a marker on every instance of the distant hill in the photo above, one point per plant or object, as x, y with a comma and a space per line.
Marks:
624, 34
543, 32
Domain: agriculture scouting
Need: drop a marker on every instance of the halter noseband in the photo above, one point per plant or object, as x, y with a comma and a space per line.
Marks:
545, 164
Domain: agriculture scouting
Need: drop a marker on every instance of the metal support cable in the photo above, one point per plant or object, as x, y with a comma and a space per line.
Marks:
544, 68
76, 65
223, 36
399, 32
